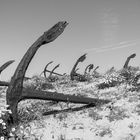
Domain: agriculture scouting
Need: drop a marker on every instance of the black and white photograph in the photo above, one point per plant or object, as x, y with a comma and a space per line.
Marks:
69, 69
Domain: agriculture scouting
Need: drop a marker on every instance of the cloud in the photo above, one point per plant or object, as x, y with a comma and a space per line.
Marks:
120, 45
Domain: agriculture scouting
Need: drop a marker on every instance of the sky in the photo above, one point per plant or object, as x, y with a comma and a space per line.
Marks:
107, 30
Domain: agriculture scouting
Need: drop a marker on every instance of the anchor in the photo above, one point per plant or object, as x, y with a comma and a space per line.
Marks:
50, 71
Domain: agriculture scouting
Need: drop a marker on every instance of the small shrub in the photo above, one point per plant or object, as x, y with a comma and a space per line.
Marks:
53, 78
117, 114
111, 79
30, 110
38, 83
96, 75
105, 131
94, 115
129, 74
6, 131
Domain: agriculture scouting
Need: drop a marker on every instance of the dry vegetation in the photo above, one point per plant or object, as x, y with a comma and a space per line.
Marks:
118, 120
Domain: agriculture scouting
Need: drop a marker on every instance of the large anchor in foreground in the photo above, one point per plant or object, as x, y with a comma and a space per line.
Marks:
15, 92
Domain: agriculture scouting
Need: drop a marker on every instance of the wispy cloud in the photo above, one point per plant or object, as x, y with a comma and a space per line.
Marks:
120, 45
